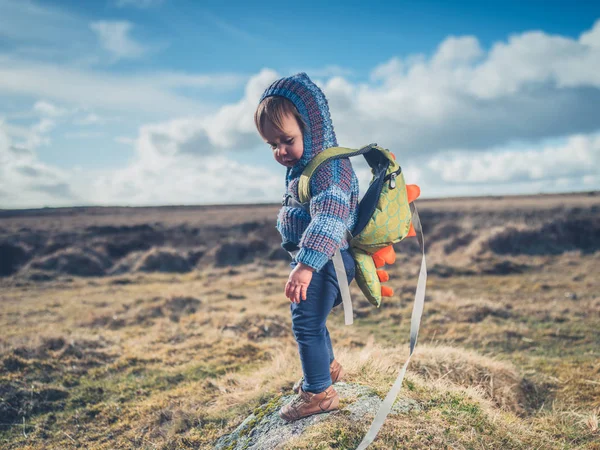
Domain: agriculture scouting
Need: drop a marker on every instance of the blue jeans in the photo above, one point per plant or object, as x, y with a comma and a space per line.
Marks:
309, 323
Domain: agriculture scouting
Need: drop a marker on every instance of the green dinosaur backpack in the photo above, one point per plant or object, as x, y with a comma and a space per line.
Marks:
386, 215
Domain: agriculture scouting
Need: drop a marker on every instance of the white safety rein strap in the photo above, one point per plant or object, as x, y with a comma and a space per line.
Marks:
415, 323
340, 271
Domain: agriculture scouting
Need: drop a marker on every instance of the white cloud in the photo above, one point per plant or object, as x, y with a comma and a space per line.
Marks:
591, 181
530, 87
28, 138
114, 37
185, 179
43, 126
451, 118
457, 51
90, 89
181, 161
48, 109
155, 177
422, 106
577, 158
230, 128
91, 119
26, 182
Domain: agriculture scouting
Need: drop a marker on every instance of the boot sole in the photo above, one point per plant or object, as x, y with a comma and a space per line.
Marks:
315, 413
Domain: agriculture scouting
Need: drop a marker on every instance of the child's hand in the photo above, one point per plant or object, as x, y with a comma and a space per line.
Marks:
298, 282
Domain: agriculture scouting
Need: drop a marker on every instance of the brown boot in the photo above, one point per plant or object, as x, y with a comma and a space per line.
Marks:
306, 404
336, 370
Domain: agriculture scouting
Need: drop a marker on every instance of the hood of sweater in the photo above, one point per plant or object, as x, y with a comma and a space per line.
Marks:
314, 109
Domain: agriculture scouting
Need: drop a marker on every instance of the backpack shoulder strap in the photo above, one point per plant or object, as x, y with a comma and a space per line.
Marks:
326, 155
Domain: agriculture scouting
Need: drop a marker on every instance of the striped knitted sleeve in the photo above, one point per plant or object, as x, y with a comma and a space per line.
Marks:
329, 210
290, 223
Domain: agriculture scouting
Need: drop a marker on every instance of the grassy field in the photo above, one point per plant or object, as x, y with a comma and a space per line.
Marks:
508, 354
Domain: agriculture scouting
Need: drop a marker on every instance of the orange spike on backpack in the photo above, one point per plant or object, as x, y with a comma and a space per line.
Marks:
386, 255
383, 275
412, 192
387, 291
393, 156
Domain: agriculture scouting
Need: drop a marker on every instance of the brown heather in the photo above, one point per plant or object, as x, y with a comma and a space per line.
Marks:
164, 328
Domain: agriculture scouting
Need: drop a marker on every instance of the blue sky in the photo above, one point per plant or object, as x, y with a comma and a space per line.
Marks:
141, 102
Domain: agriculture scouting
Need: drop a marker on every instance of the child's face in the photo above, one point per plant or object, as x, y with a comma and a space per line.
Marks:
288, 146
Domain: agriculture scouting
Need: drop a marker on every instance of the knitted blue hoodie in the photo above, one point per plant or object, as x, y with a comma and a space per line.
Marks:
334, 186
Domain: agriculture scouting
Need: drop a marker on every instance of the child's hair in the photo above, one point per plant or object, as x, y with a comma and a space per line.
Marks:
273, 109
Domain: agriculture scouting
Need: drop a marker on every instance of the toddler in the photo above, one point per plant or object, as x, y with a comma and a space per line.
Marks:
293, 119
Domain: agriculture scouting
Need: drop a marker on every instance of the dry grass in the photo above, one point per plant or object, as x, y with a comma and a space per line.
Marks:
175, 360
184, 379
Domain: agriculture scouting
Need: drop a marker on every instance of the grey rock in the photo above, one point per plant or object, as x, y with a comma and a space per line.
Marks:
264, 429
